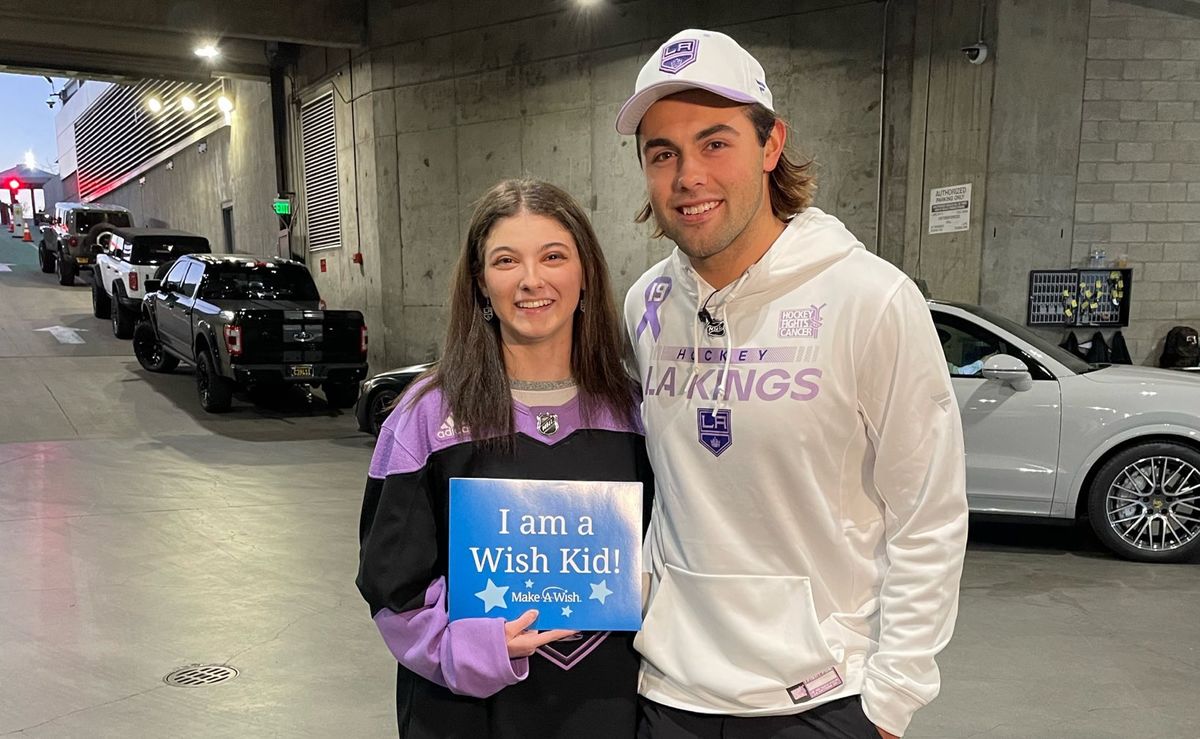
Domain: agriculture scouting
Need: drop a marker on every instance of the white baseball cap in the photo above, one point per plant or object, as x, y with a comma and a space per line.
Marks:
693, 59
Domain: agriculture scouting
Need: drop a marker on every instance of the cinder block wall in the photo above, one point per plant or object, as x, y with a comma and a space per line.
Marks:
1138, 190
454, 96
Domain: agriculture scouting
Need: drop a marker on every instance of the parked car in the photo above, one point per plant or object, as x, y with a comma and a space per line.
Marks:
1050, 436
243, 321
379, 394
130, 257
69, 244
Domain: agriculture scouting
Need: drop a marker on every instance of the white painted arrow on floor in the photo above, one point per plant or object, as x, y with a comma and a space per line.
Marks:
64, 334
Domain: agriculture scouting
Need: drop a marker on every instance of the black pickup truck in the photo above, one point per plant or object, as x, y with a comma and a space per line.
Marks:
246, 320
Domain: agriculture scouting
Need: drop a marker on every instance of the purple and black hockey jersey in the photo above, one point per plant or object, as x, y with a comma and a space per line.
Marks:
455, 679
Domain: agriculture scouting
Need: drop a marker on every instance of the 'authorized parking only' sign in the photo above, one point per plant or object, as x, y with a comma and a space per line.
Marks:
950, 209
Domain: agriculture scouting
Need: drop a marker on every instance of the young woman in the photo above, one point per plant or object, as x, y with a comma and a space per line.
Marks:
531, 385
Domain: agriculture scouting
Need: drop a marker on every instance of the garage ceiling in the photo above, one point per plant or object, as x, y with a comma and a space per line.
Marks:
122, 40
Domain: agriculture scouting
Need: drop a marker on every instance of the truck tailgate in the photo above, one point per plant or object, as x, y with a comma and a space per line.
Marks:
301, 336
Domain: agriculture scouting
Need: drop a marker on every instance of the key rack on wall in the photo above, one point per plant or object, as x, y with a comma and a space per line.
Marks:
1079, 297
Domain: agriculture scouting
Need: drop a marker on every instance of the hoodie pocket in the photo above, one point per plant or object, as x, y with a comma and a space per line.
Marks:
734, 641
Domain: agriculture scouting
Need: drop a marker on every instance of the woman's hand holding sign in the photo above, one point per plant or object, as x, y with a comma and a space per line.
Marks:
522, 642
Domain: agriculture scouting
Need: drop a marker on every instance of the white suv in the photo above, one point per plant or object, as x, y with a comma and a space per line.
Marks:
129, 258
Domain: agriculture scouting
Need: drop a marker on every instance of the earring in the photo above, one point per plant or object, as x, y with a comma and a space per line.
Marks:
582, 295
488, 313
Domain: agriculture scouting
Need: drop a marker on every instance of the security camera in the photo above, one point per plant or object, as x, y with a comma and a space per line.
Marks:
976, 53
50, 101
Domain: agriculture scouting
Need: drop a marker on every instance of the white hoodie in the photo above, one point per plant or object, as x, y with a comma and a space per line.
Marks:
811, 517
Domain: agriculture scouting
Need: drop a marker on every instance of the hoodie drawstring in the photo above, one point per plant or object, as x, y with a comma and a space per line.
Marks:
719, 396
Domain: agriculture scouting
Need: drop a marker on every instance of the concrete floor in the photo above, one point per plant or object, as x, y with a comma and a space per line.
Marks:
138, 535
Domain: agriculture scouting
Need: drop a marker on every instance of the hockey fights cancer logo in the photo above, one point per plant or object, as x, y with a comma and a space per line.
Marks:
800, 323
678, 55
656, 294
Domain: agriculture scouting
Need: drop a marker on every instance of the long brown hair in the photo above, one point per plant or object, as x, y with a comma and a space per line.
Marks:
471, 373
791, 185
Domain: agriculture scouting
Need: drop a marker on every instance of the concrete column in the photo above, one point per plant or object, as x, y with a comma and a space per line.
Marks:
1036, 109
948, 145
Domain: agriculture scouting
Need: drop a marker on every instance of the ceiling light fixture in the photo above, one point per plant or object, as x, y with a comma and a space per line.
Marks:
154, 104
208, 51
187, 103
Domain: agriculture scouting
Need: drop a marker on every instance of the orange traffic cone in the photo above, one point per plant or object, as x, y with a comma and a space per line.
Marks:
28, 236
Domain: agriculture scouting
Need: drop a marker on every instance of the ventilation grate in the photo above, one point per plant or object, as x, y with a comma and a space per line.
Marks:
318, 142
118, 134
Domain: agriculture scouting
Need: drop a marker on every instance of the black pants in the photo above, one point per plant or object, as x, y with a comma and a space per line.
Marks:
839, 719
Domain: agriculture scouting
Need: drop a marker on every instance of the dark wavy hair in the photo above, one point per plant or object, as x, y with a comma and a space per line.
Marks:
471, 373
791, 185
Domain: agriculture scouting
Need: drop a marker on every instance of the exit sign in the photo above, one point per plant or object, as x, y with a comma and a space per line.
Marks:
283, 207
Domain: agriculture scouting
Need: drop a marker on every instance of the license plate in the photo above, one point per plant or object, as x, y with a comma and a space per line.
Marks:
300, 370
81, 260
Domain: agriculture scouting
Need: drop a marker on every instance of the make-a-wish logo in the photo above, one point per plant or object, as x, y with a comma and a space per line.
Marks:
801, 323
716, 429
678, 55
656, 294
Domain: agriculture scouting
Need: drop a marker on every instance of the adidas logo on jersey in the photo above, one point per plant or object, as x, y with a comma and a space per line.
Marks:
449, 430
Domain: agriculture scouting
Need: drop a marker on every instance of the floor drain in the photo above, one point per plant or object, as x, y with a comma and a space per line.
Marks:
195, 676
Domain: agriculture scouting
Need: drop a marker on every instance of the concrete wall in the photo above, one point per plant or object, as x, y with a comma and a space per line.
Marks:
452, 97
237, 167
1078, 133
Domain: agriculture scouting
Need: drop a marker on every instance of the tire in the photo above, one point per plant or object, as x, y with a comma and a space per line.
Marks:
340, 394
216, 392
100, 300
1144, 503
122, 317
379, 408
65, 271
149, 350
46, 261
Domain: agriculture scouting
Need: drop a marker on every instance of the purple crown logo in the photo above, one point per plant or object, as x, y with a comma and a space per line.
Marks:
678, 54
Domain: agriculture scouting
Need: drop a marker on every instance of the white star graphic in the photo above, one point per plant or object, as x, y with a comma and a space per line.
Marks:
529, 583
600, 591
492, 596
566, 611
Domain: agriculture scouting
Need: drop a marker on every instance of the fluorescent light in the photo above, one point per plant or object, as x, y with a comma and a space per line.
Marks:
154, 104
187, 103
225, 104
208, 51
30, 160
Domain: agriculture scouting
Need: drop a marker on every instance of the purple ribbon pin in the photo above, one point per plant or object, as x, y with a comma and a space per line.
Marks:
656, 292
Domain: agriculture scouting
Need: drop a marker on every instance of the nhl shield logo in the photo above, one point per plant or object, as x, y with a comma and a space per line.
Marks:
716, 429
678, 55
547, 423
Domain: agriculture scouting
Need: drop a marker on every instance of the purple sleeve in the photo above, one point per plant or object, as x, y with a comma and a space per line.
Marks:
469, 656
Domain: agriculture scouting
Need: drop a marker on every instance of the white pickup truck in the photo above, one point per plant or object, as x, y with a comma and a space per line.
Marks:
130, 257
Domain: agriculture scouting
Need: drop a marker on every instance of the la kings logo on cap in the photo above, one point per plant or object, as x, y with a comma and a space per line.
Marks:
678, 55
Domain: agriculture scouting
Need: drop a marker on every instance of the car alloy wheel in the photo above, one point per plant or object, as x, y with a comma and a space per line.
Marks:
1153, 504
381, 408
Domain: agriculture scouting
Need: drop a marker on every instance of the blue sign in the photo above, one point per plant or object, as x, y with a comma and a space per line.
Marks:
570, 550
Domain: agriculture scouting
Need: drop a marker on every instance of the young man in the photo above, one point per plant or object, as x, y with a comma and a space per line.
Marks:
811, 516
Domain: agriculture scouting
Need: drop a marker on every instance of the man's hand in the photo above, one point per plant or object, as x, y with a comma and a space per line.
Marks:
886, 734
523, 643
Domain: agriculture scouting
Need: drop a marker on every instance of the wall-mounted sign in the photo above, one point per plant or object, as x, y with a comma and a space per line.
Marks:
950, 209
